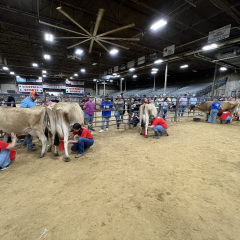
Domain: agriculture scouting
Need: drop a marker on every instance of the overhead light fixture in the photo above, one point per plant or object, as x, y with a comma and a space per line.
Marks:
44, 71
223, 68
83, 70
79, 51
132, 69
5, 68
12, 73
158, 61
94, 64
153, 72
111, 80
49, 37
76, 75
155, 69
44, 75
158, 24
184, 66
47, 56
114, 51
134, 76
71, 77
18, 76
122, 78
114, 74
40, 78
209, 47
94, 80
35, 65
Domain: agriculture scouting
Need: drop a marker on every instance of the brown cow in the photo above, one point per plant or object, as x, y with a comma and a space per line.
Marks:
207, 106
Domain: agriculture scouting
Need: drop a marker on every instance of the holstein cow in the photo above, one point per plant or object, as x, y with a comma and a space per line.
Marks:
207, 106
24, 121
145, 111
62, 117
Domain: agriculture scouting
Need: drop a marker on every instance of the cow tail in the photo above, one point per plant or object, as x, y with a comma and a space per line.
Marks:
56, 140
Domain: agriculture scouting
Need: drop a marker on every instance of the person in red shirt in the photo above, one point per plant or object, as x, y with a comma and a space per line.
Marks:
84, 141
146, 101
158, 125
5, 152
226, 116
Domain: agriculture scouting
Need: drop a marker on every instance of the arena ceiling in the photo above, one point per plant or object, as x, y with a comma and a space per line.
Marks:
189, 23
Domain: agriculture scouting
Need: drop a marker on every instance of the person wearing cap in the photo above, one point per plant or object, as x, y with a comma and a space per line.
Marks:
29, 102
226, 116
160, 102
106, 107
158, 125
183, 103
214, 111
193, 102
84, 141
136, 103
89, 108
118, 104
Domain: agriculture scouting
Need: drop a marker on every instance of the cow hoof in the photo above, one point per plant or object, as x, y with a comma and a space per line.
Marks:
56, 154
49, 150
67, 159
41, 156
141, 133
146, 136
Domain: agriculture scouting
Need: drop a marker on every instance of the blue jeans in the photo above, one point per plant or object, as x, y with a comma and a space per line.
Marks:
160, 110
82, 144
103, 122
164, 112
213, 114
117, 116
89, 118
4, 157
159, 129
228, 118
28, 141
182, 109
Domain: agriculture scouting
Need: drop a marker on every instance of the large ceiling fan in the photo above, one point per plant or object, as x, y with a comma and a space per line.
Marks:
93, 37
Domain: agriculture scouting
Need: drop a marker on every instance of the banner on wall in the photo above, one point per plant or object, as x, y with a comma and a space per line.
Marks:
74, 90
168, 50
30, 88
141, 60
130, 64
54, 86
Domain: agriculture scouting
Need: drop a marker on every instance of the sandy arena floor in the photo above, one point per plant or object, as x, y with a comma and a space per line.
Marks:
181, 187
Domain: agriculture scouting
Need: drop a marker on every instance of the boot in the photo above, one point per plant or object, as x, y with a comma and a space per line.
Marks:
228, 122
166, 133
157, 135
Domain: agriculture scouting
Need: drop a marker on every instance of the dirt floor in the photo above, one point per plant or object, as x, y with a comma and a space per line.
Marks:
185, 186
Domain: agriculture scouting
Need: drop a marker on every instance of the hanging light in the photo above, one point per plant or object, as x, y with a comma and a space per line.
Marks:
209, 47
5, 68
153, 72
132, 69
18, 76
223, 69
94, 80
35, 65
154, 69
44, 75
134, 76
83, 70
49, 37
44, 71
114, 51
71, 77
79, 51
12, 73
47, 56
76, 75
158, 24
114, 74
184, 66
158, 61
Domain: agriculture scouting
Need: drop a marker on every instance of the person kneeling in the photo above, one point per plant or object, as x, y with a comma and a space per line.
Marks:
226, 116
84, 141
159, 126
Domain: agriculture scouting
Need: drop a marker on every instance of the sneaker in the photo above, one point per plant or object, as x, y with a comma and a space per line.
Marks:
101, 130
106, 129
79, 155
3, 168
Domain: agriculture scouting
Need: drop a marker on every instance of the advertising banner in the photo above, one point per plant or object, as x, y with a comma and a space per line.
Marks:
54, 86
168, 50
29, 88
74, 90
219, 34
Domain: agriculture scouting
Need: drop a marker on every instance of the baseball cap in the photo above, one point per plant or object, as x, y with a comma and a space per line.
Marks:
34, 93
194, 95
136, 95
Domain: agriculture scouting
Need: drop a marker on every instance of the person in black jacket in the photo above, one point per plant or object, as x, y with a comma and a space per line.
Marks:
11, 101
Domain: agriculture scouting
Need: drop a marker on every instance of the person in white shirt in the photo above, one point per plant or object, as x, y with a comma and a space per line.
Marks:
160, 101
193, 102
183, 103
165, 107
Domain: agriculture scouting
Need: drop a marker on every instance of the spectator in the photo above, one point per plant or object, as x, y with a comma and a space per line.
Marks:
84, 141
156, 104
47, 102
89, 108
29, 102
65, 99
55, 100
106, 107
226, 116
135, 120
2, 102
165, 107
214, 111
232, 98
152, 100
183, 103
146, 101
158, 125
84, 100
122, 96
193, 102
5, 152
160, 102
119, 109
169, 99
11, 101
136, 103
174, 102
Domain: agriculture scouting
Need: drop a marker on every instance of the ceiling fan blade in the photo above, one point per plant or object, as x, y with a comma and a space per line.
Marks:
69, 37
99, 18
116, 30
91, 45
78, 43
70, 18
113, 44
62, 28
102, 46
122, 39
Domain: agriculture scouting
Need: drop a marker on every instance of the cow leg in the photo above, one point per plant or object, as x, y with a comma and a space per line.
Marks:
56, 151
49, 135
43, 138
147, 122
66, 135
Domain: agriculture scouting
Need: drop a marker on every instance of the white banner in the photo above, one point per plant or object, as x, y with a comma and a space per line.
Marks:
141, 60
74, 90
29, 88
168, 50
130, 64
219, 34
74, 82
54, 86
115, 69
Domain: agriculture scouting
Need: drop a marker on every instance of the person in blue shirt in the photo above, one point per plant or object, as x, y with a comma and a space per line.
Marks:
135, 120
106, 107
28, 102
213, 114
193, 102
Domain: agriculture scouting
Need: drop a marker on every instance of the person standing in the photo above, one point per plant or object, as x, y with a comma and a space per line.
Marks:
29, 102
123, 98
106, 107
119, 109
65, 99
137, 103
193, 102
146, 101
11, 101
165, 107
47, 102
214, 111
160, 104
84, 141
2, 102
84, 100
89, 108
226, 116
158, 125
55, 100
183, 103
